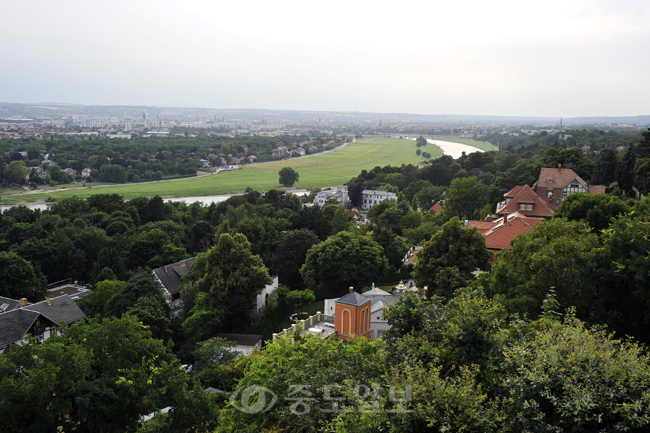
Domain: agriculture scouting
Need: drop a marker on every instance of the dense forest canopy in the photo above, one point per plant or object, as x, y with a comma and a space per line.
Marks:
471, 351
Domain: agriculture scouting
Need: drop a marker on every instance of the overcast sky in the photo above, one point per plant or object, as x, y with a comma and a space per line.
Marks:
545, 58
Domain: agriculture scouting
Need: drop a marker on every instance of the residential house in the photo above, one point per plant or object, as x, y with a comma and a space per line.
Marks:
499, 233
169, 277
523, 199
70, 172
339, 192
85, 173
371, 198
357, 215
18, 318
437, 207
351, 313
554, 184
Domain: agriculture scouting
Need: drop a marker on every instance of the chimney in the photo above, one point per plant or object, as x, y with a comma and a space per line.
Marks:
351, 289
182, 263
48, 300
559, 168
23, 302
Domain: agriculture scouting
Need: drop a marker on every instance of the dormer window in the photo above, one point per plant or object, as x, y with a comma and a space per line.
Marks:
523, 206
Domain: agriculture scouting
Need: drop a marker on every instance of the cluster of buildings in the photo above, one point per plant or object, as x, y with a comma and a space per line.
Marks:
124, 126
524, 207
340, 193
352, 315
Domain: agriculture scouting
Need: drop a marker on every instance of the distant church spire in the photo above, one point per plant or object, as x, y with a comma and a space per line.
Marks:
380, 121
560, 123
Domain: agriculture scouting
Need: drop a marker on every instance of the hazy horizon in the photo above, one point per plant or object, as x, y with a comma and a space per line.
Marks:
505, 58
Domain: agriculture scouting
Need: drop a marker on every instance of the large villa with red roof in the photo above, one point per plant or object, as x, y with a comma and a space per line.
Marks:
523, 207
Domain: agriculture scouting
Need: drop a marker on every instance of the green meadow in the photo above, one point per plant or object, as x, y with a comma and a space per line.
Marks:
328, 169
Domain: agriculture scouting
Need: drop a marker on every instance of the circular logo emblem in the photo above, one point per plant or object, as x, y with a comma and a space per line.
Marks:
253, 399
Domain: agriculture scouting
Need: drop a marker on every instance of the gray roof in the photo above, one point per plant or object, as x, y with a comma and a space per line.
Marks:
14, 325
12, 304
386, 299
376, 291
355, 299
170, 275
60, 308
16, 322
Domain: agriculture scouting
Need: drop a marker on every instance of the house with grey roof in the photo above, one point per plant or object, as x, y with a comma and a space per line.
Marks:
18, 319
379, 301
169, 277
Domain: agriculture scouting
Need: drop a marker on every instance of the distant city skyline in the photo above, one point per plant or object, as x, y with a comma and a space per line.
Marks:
502, 58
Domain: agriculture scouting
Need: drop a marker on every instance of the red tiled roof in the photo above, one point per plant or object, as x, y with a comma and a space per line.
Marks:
499, 238
559, 177
597, 189
527, 195
483, 227
514, 191
436, 208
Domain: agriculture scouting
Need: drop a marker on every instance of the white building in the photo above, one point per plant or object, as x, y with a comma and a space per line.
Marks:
339, 192
263, 297
371, 198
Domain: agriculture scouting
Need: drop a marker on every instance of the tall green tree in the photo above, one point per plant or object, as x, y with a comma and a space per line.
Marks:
344, 260
447, 260
597, 210
99, 376
141, 284
288, 176
555, 254
16, 172
466, 196
605, 169
291, 255
19, 279
233, 279
625, 169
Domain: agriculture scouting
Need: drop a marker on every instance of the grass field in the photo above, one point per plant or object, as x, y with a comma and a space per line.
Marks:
329, 169
480, 144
